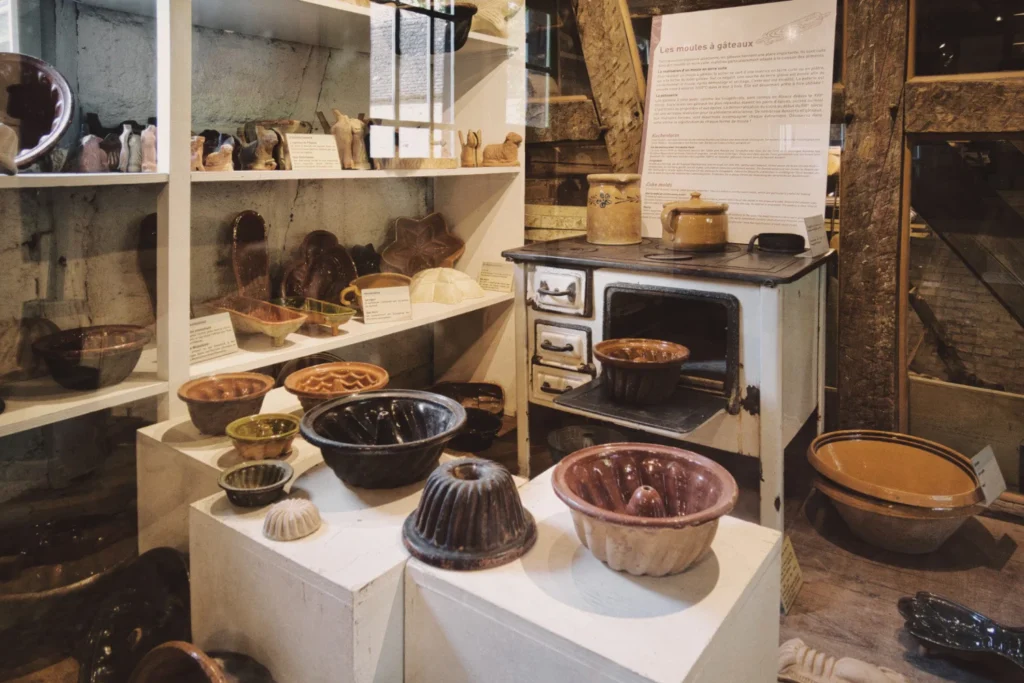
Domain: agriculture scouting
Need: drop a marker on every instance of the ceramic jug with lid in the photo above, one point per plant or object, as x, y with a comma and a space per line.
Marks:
695, 225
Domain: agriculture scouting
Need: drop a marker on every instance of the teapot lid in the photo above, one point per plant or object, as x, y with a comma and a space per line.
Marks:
696, 205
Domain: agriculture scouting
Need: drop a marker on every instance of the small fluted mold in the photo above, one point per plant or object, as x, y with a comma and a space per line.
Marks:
291, 519
255, 484
469, 517
640, 371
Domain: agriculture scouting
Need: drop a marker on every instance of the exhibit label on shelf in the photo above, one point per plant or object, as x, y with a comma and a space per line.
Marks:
817, 238
989, 474
210, 337
738, 108
496, 276
792, 577
313, 152
386, 305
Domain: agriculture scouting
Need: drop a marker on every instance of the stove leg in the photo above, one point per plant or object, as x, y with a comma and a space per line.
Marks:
772, 446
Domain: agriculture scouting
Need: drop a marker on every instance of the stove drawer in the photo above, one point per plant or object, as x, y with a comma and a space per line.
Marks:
560, 290
563, 346
550, 383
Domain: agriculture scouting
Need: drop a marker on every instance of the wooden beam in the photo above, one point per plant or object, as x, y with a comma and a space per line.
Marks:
966, 104
616, 77
650, 8
567, 158
562, 119
871, 184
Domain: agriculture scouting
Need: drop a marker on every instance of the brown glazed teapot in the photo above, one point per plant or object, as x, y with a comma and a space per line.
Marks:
694, 225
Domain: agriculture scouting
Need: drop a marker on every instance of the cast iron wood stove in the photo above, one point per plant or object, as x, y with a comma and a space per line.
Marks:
754, 323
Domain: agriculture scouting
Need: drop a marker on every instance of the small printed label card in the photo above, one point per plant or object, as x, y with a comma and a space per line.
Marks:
817, 238
211, 336
313, 152
989, 474
386, 305
792, 577
496, 276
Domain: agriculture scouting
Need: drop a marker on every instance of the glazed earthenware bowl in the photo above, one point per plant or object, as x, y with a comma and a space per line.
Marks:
470, 516
566, 440
353, 294
383, 439
216, 401
643, 508
317, 312
640, 371
484, 395
263, 437
255, 484
327, 381
87, 358
478, 434
891, 526
896, 468
251, 316
181, 662
37, 103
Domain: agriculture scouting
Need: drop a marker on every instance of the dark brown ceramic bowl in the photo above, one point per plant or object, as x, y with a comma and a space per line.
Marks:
255, 484
87, 358
640, 371
644, 508
38, 103
478, 434
216, 401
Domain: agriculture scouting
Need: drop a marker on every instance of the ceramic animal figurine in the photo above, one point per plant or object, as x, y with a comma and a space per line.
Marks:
471, 148
92, 158
8, 150
360, 158
492, 16
258, 155
197, 153
342, 132
134, 153
149, 149
801, 664
124, 156
505, 154
112, 146
221, 160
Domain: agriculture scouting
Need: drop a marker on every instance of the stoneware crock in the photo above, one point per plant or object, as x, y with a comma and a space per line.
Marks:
639, 371
255, 484
263, 437
87, 358
319, 383
897, 468
695, 225
613, 208
383, 439
643, 508
216, 401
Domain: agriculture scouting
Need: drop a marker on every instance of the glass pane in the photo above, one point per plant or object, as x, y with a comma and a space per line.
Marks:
969, 37
966, 315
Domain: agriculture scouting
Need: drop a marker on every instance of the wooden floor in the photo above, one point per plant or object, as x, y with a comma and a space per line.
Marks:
847, 606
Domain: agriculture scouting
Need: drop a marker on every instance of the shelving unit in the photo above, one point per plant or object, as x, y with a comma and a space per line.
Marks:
484, 206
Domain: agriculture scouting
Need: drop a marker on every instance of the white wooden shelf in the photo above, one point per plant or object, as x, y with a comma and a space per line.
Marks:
251, 176
38, 402
255, 351
44, 180
330, 23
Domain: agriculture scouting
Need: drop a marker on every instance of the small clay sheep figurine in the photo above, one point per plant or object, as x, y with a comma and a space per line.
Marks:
471, 148
221, 160
258, 155
505, 154
149, 149
92, 158
197, 153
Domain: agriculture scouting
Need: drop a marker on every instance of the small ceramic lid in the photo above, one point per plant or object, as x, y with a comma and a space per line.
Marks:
696, 205
896, 467
613, 177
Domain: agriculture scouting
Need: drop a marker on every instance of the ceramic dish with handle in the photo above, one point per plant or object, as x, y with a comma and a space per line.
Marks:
383, 439
87, 358
353, 294
328, 381
255, 484
894, 527
216, 401
251, 316
643, 508
640, 371
317, 312
896, 468
263, 437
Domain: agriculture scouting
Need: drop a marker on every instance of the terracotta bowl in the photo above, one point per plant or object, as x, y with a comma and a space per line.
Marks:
892, 526
383, 439
327, 381
263, 437
640, 371
216, 401
642, 508
896, 468
87, 358
255, 484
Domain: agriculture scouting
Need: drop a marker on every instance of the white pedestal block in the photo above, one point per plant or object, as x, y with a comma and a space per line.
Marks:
558, 615
178, 466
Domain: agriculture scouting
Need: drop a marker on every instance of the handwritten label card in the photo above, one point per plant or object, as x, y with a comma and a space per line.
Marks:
989, 474
792, 577
313, 152
496, 276
210, 337
386, 304
817, 239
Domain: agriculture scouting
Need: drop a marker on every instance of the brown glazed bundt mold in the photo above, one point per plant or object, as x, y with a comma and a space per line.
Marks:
327, 381
640, 371
469, 517
216, 401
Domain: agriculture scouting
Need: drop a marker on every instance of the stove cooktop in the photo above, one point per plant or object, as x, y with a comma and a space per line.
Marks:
732, 263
